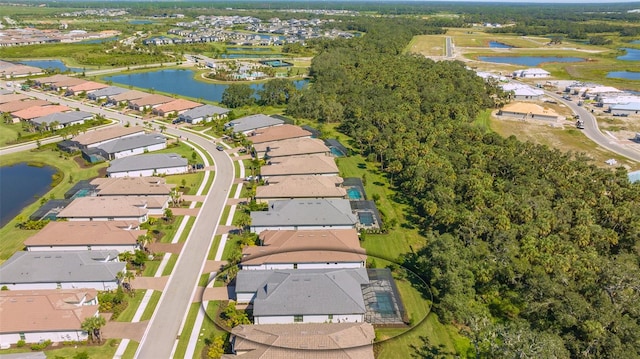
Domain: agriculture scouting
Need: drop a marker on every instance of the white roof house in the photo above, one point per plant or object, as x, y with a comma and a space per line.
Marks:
531, 73
134, 145
625, 109
204, 113
63, 119
304, 214
253, 122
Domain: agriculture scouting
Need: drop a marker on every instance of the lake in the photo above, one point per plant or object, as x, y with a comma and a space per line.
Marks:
499, 45
627, 75
528, 60
20, 186
50, 64
140, 22
180, 82
249, 56
631, 55
249, 49
99, 41
635, 42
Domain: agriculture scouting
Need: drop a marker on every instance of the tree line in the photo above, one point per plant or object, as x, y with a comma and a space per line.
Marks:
530, 251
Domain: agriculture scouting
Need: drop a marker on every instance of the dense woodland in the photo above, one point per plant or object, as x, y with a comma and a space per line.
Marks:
533, 253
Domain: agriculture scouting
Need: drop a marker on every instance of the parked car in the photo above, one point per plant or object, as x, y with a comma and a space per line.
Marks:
219, 148
580, 124
242, 150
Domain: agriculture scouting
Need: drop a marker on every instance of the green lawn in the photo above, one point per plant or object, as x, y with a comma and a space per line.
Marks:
132, 307
9, 132
170, 264
192, 182
183, 340
151, 267
208, 328
130, 352
151, 306
12, 237
214, 247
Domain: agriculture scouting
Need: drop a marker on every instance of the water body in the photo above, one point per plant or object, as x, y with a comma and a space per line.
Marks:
631, 55
51, 64
249, 49
528, 60
140, 22
635, 42
499, 45
627, 75
249, 56
20, 186
180, 82
99, 41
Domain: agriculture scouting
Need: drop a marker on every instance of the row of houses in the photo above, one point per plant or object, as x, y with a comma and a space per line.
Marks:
306, 279
40, 113
51, 287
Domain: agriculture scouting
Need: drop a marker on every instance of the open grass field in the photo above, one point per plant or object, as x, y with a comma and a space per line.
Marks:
12, 237
427, 45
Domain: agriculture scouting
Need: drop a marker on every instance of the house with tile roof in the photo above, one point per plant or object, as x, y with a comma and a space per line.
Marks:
61, 270
530, 111
205, 113
95, 138
303, 295
149, 101
86, 87
9, 97
114, 208
132, 145
119, 236
306, 249
126, 96
63, 119
317, 165
175, 107
38, 111
319, 340
64, 84
35, 316
277, 133
304, 186
251, 123
105, 92
291, 147
304, 214
18, 105
148, 165
132, 186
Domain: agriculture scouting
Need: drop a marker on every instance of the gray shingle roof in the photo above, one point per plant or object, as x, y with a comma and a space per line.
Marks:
63, 117
203, 111
300, 212
146, 162
60, 266
107, 91
133, 142
253, 122
305, 291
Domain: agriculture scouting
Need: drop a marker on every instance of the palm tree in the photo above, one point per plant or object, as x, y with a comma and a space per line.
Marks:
93, 326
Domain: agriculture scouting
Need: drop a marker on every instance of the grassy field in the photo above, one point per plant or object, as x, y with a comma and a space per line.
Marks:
427, 45
9, 132
130, 352
208, 328
132, 307
151, 306
12, 237
183, 340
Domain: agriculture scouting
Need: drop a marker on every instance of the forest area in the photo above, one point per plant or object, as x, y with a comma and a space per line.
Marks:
531, 252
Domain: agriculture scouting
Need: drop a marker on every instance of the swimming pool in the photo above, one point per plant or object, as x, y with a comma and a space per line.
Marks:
354, 193
336, 152
81, 193
384, 303
634, 176
365, 218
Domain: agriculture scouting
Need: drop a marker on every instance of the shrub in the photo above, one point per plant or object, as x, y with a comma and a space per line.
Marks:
20, 343
40, 346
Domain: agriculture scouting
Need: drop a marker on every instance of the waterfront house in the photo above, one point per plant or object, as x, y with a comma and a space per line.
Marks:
130, 146
204, 113
304, 214
119, 236
306, 249
305, 186
65, 84
34, 316
148, 165
61, 270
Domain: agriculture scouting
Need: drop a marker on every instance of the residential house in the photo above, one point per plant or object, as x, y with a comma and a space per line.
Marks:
19, 70
204, 113
307, 186
101, 136
149, 101
85, 87
49, 80
300, 165
34, 316
118, 236
528, 111
609, 100
127, 96
64, 84
61, 270
288, 296
306, 249
148, 165
625, 109
277, 133
175, 107
531, 73
317, 340
105, 92
113, 208
132, 145
38, 111
252, 123
523, 92
63, 119
132, 186
10, 97
291, 147
18, 105
304, 214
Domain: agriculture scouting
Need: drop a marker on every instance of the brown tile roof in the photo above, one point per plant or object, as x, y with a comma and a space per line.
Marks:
39, 111
71, 81
45, 310
303, 187
296, 341
292, 147
17, 70
300, 165
151, 100
277, 133
132, 186
129, 95
87, 86
110, 133
12, 97
306, 246
176, 105
109, 206
86, 233
52, 79
529, 108
18, 105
